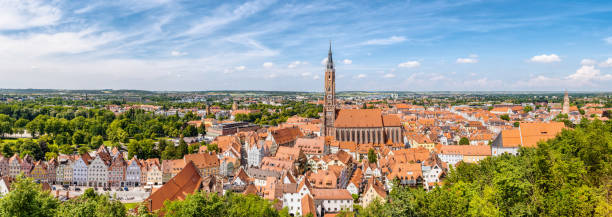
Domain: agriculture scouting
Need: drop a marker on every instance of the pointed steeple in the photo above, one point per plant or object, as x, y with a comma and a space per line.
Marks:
330, 61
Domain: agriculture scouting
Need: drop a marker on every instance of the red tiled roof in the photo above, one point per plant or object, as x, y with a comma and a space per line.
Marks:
185, 182
359, 118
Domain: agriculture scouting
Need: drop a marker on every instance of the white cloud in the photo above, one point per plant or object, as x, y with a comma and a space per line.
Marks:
437, 77
608, 40
23, 14
409, 64
306, 74
385, 41
294, 64
588, 62
240, 68
360, 76
316, 77
268, 65
347, 61
41, 44
471, 59
177, 53
545, 58
607, 63
585, 74
324, 61
223, 17
389, 75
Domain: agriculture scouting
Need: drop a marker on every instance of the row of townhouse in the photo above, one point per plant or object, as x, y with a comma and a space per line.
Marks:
105, 168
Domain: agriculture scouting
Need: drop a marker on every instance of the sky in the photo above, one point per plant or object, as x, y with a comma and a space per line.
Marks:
170, 45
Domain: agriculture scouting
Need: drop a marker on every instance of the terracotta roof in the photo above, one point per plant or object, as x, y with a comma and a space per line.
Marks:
286, 135
357, 175
331, 194
378, 187
250, 189
242, 175
391, 121
511, 138
308, 205
466, 150
284, 152
410, 171
185, 182
529, 134
532, 133
202, 160
359, 118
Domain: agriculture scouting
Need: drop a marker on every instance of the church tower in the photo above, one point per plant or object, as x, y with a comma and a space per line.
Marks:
329, 107
566, 104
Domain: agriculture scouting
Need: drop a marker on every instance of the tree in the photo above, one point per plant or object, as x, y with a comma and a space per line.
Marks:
372, 158
464, 141
96, 142
516, 124
182, 148
26, 198
92, 204
213, 147
527, 109
504, 117
169, 153
190, 131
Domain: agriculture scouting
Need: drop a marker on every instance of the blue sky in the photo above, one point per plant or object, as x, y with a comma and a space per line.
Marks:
280, 45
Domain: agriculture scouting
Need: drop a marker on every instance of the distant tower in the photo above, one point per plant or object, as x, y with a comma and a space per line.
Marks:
234, 106
566, 105
329, 107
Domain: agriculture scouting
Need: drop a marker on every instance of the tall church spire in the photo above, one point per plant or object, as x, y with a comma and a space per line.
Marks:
329, 106
330, 61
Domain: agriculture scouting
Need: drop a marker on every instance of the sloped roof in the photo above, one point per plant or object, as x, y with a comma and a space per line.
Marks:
391, 121
331, 194
359, 118
286, 135
308, 205
532, 133
202, 160
185, 182
466, 150
529, 134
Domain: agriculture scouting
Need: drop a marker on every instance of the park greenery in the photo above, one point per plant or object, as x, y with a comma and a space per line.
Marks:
274, 115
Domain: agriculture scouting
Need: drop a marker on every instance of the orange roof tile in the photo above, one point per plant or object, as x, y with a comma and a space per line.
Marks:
185, 182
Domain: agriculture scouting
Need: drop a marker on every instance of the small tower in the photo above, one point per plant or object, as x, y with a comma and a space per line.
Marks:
234, 106
566, 104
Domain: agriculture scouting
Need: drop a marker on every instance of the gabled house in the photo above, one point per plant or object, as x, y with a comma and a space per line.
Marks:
51, 174
97, 171
39, 173
14, 166
117, 171
373, 191
154, 172
132, 173
27, 164
4, 166
80, 170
